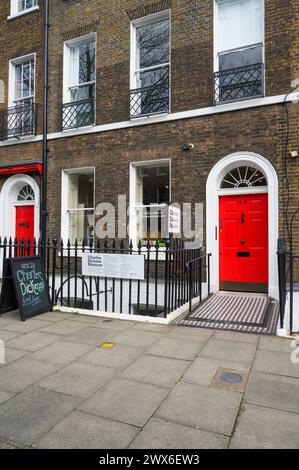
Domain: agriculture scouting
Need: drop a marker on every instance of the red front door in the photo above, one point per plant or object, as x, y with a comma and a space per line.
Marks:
25, 223
243, 250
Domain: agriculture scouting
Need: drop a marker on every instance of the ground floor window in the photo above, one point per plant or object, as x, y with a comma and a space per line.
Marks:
151, 200
78, 188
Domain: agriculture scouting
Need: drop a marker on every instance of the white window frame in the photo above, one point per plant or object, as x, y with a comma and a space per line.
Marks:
12, 77
14, 11
146, 20
133, 183
65, 211
67, 63
218, 51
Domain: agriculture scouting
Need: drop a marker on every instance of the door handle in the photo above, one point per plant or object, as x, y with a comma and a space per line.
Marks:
242, 218
243, 242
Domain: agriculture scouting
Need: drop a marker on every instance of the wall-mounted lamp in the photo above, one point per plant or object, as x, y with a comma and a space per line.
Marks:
294, 154
188, 147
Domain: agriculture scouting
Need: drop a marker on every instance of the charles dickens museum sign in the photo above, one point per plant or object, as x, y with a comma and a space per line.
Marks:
115, 266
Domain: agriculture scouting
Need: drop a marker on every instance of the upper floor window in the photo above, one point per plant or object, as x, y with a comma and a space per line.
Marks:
79, 82
23, 86
150, 63
19, 6
239, 44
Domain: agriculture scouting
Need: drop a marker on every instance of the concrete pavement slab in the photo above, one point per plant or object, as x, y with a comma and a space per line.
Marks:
4, 396
269, 343
126, 401
6, 335
273, 391
196, 334
156, 370
32, 341
29, 415
176, 348
265, 428
118, 357
239, 337
81, 430
61, 352
12, 355
115, 325
136, 338
56, 316
158, 434
229, 350
90, 335
156, 328
26, 326
203, 370
201, 407
64, 327
24, 372
78, 379
276, 363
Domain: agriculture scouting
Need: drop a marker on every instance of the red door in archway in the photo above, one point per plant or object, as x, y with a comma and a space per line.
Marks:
243, 250
25, 224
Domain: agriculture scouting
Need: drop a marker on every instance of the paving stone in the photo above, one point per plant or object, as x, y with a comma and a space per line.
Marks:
81, 430
20, 374
78, 379
239, 337
203, 370
115, 325
4, 396
7, 445
90, 320
12, 355
265, 428
61, 352
156, 370
229, 350
136, 338
273, 391
90, 335
118, 357
273, 362
158, 434
32, 341
275, 344
29, 415
56, 316
64, 327
126, 401
176, 348
201, 407
156, 328
6, 335
195, 334
26, 326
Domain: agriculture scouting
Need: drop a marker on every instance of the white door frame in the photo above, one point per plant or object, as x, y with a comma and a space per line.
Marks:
213, 190
8, 202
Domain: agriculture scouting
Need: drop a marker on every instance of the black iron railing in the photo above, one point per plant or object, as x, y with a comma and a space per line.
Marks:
239, 83
78, 114
18, 121
173, 276
149, 100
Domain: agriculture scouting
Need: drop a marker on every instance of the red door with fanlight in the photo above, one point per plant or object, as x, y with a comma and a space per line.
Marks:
25, 224
243, 228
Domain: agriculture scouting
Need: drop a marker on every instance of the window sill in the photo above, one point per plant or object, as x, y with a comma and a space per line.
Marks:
21, 13
90, 126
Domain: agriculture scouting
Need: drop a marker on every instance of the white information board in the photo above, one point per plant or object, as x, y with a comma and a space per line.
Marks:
113, 266
174, 220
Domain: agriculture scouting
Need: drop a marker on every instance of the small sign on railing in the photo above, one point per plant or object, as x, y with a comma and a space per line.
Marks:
114, 266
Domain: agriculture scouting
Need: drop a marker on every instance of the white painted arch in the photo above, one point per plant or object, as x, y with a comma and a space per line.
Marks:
213, 190
8, 202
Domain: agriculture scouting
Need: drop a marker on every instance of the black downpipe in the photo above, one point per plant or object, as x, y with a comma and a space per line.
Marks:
45, 133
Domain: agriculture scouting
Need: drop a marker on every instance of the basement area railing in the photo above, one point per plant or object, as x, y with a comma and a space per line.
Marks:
239, 83
173, 276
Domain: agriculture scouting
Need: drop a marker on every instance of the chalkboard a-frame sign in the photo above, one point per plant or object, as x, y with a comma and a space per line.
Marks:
25, 287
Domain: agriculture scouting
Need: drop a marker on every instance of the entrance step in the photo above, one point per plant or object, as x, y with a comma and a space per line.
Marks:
250, 313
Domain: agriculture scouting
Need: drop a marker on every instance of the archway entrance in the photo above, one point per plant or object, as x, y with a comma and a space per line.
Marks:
242, 224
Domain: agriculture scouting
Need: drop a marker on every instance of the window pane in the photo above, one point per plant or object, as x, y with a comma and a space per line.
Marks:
81, 191
153, 44
81, 226
83, 93
251, 56
153, 184
87, 62
24, 80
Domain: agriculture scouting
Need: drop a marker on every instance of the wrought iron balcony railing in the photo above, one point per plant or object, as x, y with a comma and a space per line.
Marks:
78, 114
150, 99
18, 121
240, 83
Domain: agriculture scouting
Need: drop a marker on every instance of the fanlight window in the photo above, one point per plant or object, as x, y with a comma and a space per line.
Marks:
244, 177
26, 194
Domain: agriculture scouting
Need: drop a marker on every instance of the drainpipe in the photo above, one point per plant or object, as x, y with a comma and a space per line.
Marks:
45, 132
